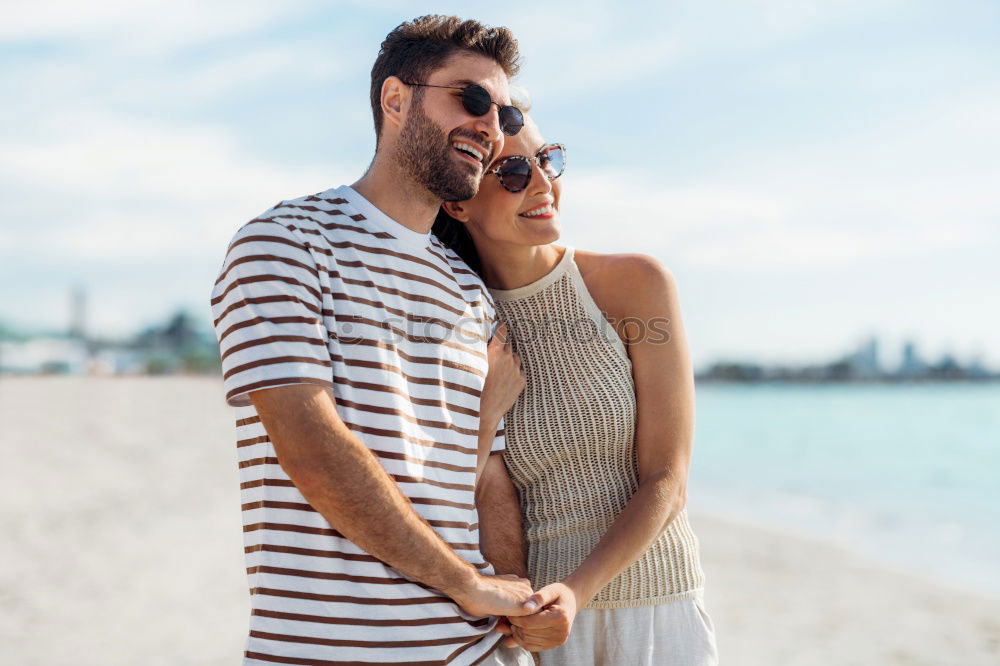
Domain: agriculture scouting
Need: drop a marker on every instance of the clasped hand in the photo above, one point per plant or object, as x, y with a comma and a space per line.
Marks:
548, 626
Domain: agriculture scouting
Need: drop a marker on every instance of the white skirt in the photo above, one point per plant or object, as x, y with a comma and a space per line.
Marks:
679, 633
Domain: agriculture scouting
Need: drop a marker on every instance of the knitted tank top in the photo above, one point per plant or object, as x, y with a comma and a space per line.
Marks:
571, 443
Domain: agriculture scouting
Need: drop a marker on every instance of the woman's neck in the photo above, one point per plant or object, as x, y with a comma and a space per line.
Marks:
512, 266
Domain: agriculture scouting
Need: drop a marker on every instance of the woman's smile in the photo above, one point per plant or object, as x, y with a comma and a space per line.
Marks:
546, 211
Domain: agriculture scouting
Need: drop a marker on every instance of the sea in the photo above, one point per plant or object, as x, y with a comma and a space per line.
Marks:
907, 475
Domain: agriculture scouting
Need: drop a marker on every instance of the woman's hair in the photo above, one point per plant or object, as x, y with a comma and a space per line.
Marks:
416, 48
453, 233
455, 236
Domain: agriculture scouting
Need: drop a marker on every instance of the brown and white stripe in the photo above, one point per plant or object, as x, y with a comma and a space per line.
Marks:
327, 290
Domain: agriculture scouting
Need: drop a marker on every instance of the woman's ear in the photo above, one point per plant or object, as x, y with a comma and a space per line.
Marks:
457, 210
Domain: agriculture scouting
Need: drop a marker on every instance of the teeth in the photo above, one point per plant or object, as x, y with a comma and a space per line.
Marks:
470, 149
544, 210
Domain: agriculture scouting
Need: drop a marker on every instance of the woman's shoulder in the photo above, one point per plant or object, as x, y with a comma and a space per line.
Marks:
624, 284
627, 264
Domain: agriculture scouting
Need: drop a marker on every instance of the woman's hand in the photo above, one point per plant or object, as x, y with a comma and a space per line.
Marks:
504, 381
548, 627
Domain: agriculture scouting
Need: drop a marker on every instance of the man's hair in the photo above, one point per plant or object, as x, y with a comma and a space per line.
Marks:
416, 48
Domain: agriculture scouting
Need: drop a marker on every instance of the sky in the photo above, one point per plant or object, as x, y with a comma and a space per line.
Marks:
811, 172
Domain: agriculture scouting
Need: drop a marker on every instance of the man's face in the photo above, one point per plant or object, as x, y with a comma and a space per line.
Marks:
437, 122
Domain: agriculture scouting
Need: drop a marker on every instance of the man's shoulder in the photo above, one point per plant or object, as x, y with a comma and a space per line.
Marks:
453, 262
331, 202
306, 210
460, 271
326, 215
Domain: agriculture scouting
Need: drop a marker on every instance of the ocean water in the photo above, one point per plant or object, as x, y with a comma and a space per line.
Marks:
905, 474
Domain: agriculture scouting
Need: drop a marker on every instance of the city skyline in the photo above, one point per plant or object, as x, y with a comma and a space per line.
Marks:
183, 337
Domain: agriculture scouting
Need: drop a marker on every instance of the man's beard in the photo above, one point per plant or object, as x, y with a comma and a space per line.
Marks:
425, 154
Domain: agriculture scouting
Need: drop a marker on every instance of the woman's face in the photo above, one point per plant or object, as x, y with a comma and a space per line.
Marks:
528, 217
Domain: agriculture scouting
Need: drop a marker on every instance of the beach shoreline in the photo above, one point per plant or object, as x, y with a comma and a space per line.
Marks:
121, 503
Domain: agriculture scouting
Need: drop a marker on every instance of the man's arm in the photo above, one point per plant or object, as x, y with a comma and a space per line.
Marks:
343, 481
501, 537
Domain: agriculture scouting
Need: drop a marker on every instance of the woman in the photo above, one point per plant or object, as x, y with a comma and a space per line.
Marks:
599, 442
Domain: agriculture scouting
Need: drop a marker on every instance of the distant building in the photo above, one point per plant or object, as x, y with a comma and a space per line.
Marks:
860, 365
78, 313
182, 344
947, 368
44, 355
977, 369
864, 363
911, 365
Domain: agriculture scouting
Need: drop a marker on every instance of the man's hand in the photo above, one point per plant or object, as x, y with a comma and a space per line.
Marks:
547, 628
495, 595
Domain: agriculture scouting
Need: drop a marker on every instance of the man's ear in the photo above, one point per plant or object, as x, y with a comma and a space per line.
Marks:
456, 209
395, 100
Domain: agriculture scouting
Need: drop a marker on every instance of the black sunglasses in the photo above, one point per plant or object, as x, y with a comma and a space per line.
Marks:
477, 101
514, 171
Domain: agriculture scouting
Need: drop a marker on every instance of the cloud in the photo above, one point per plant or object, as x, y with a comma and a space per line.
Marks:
629, 42
112, 173
110, 188
921, 186
739, 229
145, 27
138, 211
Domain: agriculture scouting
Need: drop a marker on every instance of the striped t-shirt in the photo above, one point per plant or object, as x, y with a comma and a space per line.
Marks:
328, 290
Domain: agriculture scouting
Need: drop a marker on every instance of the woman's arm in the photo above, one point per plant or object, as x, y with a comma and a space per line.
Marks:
504, 382
500, 535
664, 383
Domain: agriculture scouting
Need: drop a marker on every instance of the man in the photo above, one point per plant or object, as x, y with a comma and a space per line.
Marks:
354, 348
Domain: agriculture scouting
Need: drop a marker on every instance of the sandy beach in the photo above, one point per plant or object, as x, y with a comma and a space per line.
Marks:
123, 546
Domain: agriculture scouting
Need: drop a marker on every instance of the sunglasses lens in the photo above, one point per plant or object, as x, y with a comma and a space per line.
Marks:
553, 161
476, 100
515, 175
511, 120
